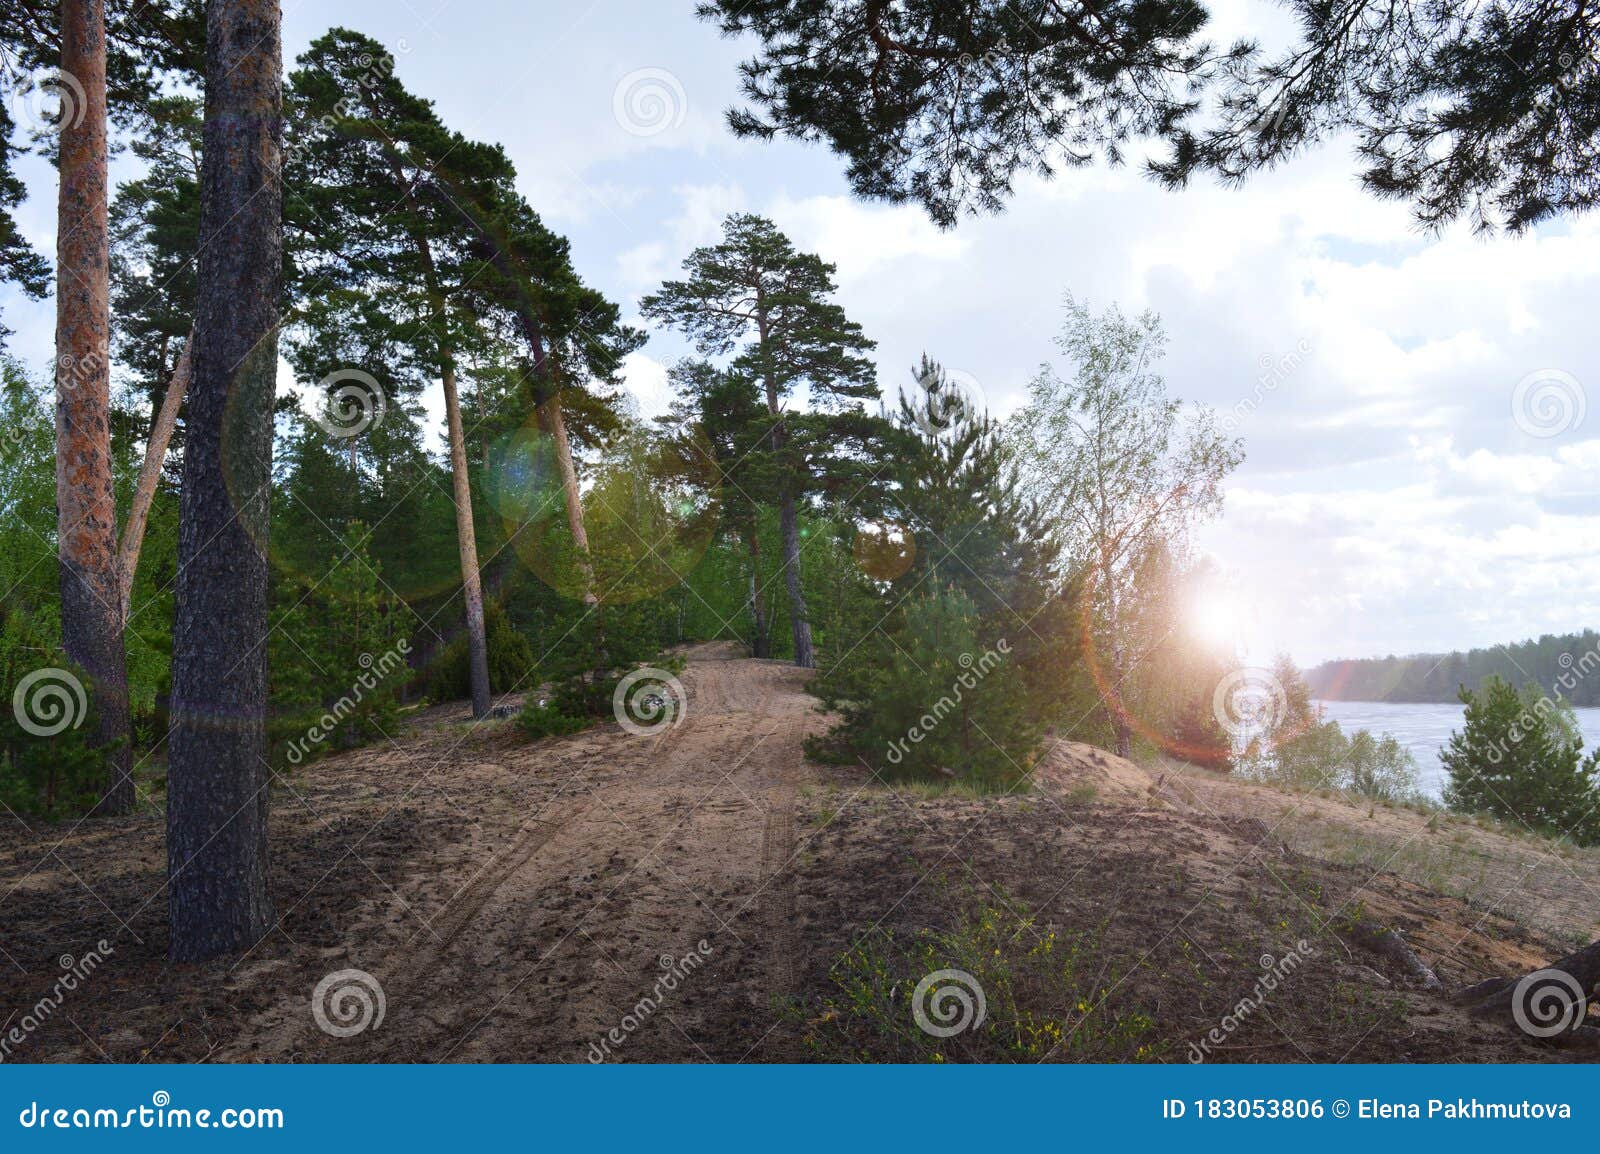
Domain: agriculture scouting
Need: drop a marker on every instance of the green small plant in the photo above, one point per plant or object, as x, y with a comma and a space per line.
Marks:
545, 719
1000, 986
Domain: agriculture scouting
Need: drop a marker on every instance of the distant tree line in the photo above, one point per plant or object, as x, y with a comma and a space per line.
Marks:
1566, 665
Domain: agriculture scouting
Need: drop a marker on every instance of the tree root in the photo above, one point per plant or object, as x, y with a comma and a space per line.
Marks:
1548, 1005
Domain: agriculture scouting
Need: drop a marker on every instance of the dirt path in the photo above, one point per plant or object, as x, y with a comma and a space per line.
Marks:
548, 944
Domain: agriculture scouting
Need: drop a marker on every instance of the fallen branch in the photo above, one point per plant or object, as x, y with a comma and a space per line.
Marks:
1386, 943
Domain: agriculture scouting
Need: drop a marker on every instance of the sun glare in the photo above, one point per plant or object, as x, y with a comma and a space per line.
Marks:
1216, 618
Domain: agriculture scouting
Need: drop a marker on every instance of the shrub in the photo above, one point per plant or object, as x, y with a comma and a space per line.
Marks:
448, 676
1322, 757
1519, 756
1041, 990
1380, 768
544, 719
56, 776
932, 700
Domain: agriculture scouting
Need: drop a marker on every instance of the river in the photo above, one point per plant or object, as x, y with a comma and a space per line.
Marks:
1424, 728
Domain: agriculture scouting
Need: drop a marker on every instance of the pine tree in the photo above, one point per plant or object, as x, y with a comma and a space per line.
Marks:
756, 294
719, 418
944, 102
957, 493
387, 258
91, 589
1519, 755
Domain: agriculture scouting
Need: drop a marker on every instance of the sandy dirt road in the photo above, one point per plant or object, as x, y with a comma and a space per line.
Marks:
659, 852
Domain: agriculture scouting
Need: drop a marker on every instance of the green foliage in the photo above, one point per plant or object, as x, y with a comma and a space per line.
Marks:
1299, 749
1042, 991
544, 719
945, 102
1479, 111
45, 775
1380, 768
337, 656
446, 675
1519, 756
1322, 757
1482, 111
929, 696
1120, 472
155, 231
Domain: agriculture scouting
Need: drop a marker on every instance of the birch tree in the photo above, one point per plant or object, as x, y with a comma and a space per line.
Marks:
1115, 467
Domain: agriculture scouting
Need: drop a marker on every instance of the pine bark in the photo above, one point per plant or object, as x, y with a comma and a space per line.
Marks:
144, 489
758, 605
554, 423
799, 619
217, 779
467, 540
86, 511
461, 491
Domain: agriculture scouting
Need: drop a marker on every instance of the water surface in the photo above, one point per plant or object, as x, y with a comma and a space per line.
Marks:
1424, 728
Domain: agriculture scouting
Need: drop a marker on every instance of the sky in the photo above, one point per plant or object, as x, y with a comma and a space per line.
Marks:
1421, 471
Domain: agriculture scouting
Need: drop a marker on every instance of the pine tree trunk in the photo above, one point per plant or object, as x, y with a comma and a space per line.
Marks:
217, 780
799, 619
466, 539
789, 527
758, 605
86, 509
554, 423
144, 489
461, 487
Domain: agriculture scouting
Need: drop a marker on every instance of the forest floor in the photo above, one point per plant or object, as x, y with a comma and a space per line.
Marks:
525, 901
